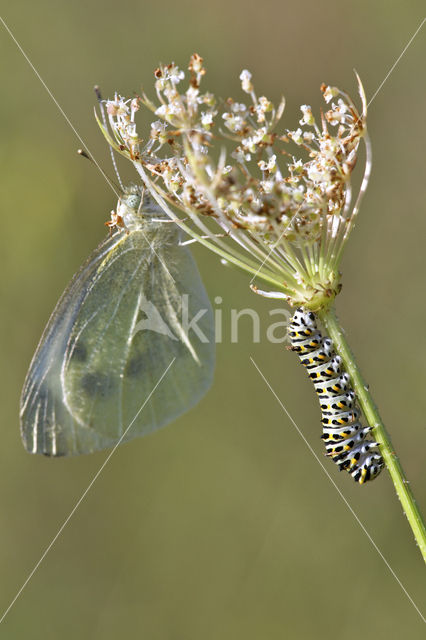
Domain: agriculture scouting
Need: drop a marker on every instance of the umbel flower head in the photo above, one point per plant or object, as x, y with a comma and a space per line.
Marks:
275, 202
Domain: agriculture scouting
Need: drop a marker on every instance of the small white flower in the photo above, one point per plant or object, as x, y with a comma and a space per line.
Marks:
296, 136
307, 118
159, 131
267, 185
317, 174
268, 166
246, 84
238, 107
158, 127
117, 107
174, 74
207, 118
330, 93
233, 123
240, 156
192, 97
262, 107
297, 166
162, 111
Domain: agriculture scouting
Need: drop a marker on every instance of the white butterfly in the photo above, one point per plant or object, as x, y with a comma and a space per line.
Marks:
120, 323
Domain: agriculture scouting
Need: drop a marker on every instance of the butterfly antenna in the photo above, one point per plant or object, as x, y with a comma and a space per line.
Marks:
104, 121
84, 154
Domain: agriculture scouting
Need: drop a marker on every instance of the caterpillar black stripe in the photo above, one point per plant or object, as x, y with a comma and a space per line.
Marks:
346, 440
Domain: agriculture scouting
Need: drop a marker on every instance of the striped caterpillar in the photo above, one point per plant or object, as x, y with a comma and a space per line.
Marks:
345, 438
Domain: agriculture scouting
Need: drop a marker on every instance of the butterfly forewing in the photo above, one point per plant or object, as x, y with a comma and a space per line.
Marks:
113, 334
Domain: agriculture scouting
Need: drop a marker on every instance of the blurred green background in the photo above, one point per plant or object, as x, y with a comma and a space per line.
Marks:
223, 525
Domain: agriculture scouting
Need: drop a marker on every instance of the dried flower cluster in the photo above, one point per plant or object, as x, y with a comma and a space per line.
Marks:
291, 215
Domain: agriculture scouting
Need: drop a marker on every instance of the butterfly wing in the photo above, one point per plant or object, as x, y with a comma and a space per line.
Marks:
117, 328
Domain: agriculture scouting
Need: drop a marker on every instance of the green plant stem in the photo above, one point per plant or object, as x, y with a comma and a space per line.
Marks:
402, 486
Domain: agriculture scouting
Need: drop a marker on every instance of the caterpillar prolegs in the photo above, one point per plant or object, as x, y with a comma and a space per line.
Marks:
346, 440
